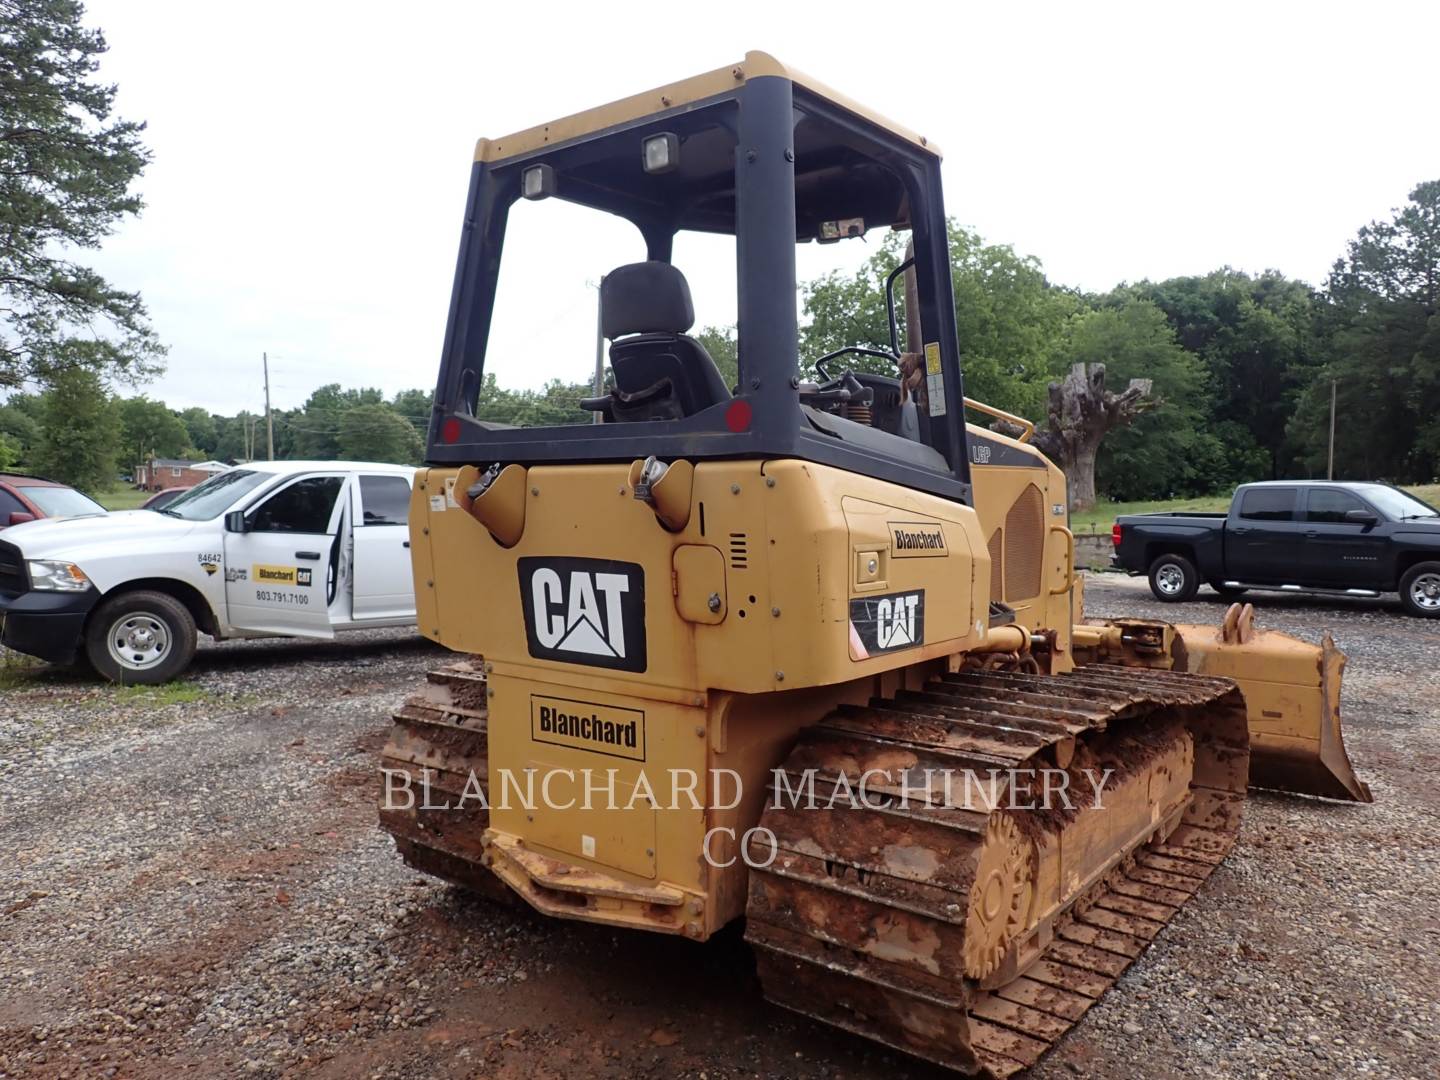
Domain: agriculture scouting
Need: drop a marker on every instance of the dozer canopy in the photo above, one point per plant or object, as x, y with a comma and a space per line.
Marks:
755, 152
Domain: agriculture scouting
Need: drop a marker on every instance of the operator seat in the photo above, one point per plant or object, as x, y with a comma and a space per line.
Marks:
660, 372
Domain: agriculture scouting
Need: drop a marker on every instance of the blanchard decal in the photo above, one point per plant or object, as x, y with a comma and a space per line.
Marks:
278, 575
584, 611
584, 725
209, 568
916, 539
880, 624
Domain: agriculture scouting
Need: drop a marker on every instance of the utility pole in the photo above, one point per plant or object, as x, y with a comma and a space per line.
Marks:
599, 347
1330, 468
269, 421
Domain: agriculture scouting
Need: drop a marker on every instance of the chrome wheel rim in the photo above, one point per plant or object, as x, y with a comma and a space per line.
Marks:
1425, 592
138, 641
1170, 579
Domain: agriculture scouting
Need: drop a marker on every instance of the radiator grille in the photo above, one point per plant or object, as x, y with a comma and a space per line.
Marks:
1025, 545
997, 583
13, 578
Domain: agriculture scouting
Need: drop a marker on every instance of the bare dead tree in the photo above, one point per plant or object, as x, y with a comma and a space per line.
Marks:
1080, 413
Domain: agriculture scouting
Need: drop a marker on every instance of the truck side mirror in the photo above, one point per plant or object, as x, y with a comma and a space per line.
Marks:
20, 517
1360, 517
235, 522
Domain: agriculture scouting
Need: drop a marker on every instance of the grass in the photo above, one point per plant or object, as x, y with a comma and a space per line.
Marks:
171, 693
1430, 493
17, 671
122, 498
1104, 514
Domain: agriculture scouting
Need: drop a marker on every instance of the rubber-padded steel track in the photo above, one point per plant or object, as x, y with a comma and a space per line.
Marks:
867, 919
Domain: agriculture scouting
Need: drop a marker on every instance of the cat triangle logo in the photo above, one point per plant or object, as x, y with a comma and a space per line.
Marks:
585, 611
584, 637
900, 635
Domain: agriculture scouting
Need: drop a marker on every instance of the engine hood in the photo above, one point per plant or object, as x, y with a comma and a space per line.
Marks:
122, 533
1423, 533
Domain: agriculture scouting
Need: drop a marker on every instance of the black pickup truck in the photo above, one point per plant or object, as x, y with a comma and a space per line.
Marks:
1292, 536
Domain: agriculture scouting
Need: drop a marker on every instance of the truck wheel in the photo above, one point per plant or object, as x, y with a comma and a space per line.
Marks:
1420, 590
1173, 578
140, 637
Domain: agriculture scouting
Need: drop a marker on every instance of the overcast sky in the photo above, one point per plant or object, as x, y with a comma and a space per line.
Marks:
311, 159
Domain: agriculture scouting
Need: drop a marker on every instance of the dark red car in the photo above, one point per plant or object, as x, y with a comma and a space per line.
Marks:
162, 499
29, 498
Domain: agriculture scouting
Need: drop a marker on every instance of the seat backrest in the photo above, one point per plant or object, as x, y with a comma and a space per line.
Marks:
645, 309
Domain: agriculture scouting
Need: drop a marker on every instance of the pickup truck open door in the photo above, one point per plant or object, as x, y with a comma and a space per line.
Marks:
384, 583
279, 570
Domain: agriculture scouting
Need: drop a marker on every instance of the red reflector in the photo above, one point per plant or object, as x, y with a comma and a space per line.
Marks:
450, 430
1115, 534
737, 416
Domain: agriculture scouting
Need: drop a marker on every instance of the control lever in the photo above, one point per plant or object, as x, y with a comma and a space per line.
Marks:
844, 390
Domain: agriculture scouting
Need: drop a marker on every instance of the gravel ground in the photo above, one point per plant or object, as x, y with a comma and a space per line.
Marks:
195, 884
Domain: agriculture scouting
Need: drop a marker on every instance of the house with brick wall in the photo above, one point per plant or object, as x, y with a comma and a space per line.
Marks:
157, 474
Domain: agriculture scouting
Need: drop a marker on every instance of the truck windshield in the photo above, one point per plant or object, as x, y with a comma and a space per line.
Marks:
1396, 504
62, 502
208, 500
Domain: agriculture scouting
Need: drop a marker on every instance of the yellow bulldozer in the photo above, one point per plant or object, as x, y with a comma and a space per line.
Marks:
809, 653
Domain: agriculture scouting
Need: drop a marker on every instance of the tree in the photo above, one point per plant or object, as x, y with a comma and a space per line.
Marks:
20, 425
66, 170
313, 432
1110, 434
1255, 337
148, 429
1379, 321
719, 342
9, 452
414, 405
1081, 413
557, 403
374, 432
200, 427
80, 431
1010, 319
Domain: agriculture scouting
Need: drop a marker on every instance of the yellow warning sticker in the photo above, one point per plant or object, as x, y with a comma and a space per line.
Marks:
932, 358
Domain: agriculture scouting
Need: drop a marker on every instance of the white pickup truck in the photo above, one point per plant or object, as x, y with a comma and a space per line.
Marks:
282, 548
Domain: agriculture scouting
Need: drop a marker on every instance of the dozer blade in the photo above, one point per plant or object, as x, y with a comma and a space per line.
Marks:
1292, 700
1291, 688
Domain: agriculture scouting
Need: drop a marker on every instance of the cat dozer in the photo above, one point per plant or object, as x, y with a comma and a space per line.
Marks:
737, 649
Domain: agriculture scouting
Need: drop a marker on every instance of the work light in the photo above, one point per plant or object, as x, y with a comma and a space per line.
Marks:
662, 152
537, 182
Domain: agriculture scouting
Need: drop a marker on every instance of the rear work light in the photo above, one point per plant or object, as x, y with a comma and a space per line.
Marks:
1115, 533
